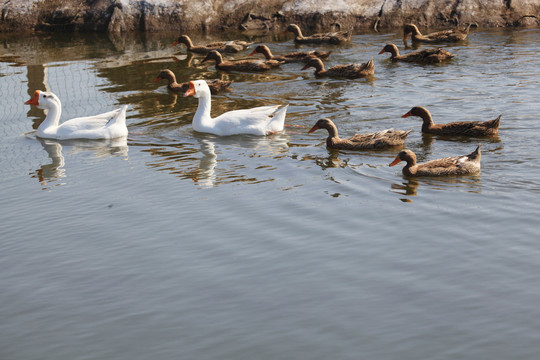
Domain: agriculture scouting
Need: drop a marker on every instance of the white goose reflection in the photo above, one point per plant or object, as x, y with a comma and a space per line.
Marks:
50, 175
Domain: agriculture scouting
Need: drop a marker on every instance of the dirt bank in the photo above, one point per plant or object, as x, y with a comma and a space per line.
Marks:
259, 15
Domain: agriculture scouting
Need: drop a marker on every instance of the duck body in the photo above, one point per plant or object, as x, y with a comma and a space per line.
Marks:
378, 140
350, 71
215, 86
232, 46
439, 36
109, 125
335, 38
456, 165
427, 56
300, 56
464, 128
241, 65
263, 120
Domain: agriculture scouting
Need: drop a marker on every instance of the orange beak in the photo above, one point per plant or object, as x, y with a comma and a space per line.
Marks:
191, 90
253, 53
405, 37
315, 127
396, 160
34, 100
406, 115
157, 79
305, 67
175, 43
381, 52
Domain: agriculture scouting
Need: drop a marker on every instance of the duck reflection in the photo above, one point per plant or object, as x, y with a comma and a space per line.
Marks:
49, 175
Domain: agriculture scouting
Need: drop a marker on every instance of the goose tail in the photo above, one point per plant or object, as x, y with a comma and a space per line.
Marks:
277, 120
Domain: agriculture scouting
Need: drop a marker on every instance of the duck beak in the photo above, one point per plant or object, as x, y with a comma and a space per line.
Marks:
191, 90
34, 100
315, 127
175, 43
253, 53
406, 115
405, 37
381, 52
396, 160
305, 67
157, 79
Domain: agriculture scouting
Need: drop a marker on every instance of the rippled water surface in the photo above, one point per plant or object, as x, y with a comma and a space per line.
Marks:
180, 245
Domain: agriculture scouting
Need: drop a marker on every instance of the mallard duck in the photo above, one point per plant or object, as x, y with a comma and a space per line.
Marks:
351, 71
232, 46
337, 38
108, 125
426, 56
215, 85
263, 120
378, 140
439, 36
241, 65
456, 165
466, 128
301, 56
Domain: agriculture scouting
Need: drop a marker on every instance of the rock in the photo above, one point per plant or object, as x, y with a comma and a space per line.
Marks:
116, 16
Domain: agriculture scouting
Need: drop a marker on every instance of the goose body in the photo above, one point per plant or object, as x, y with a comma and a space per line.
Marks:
232, 46
456, 165
350, 71
263, 120
337, 38
215, 86
108, 125
301, 56
439, 36
465, 128
378, 140
241, 65
427, 56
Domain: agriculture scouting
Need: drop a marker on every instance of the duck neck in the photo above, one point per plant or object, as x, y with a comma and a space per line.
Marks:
427, 121
51, 120
268, 54
333, 136
319, 69
411, 168
189, 44
172, 80
394, 51
202, 118
297, 32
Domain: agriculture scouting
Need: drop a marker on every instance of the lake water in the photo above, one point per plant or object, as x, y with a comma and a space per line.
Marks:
180, 245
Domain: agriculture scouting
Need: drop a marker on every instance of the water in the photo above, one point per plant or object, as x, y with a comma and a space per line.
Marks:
178, 245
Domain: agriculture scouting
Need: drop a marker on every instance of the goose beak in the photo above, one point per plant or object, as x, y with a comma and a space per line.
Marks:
34, 100
406, 115
191, 90
315, 127
396, 160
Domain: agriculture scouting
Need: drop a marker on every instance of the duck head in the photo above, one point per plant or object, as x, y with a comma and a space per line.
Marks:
197, 89
314, 62
261, 49
404, 155
165, 74
417, 111
213, 55
43, 100
324, 123
391, 48
183, 39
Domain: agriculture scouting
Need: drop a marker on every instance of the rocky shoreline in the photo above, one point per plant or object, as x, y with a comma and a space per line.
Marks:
261, 16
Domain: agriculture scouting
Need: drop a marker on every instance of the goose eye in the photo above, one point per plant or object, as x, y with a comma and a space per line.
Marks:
44, 96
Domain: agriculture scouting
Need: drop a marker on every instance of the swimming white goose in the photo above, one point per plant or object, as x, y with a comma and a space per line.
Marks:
109, 125
263, 120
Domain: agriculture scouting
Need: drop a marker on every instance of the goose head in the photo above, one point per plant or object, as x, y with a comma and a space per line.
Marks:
197, 89
44, 100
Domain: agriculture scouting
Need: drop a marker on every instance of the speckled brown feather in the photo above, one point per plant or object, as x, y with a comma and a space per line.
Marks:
427, 56
301, 56
232, 46
336, 38
215, 85
439, 36
456, 165
241, 65
465, 128
351, 71
378, 140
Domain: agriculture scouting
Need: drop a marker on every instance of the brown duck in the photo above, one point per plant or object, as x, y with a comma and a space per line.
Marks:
351, 71
456, 165
241, 65
427, 56
465, 128
232, 46
439, 36
378, 140
301, 56
215, 86
337, 38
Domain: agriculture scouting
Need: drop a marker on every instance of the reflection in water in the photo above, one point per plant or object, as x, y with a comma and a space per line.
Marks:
410, 186
53, 172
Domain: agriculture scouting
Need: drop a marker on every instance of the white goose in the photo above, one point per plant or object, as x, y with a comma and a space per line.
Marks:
261, 120
109, 125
